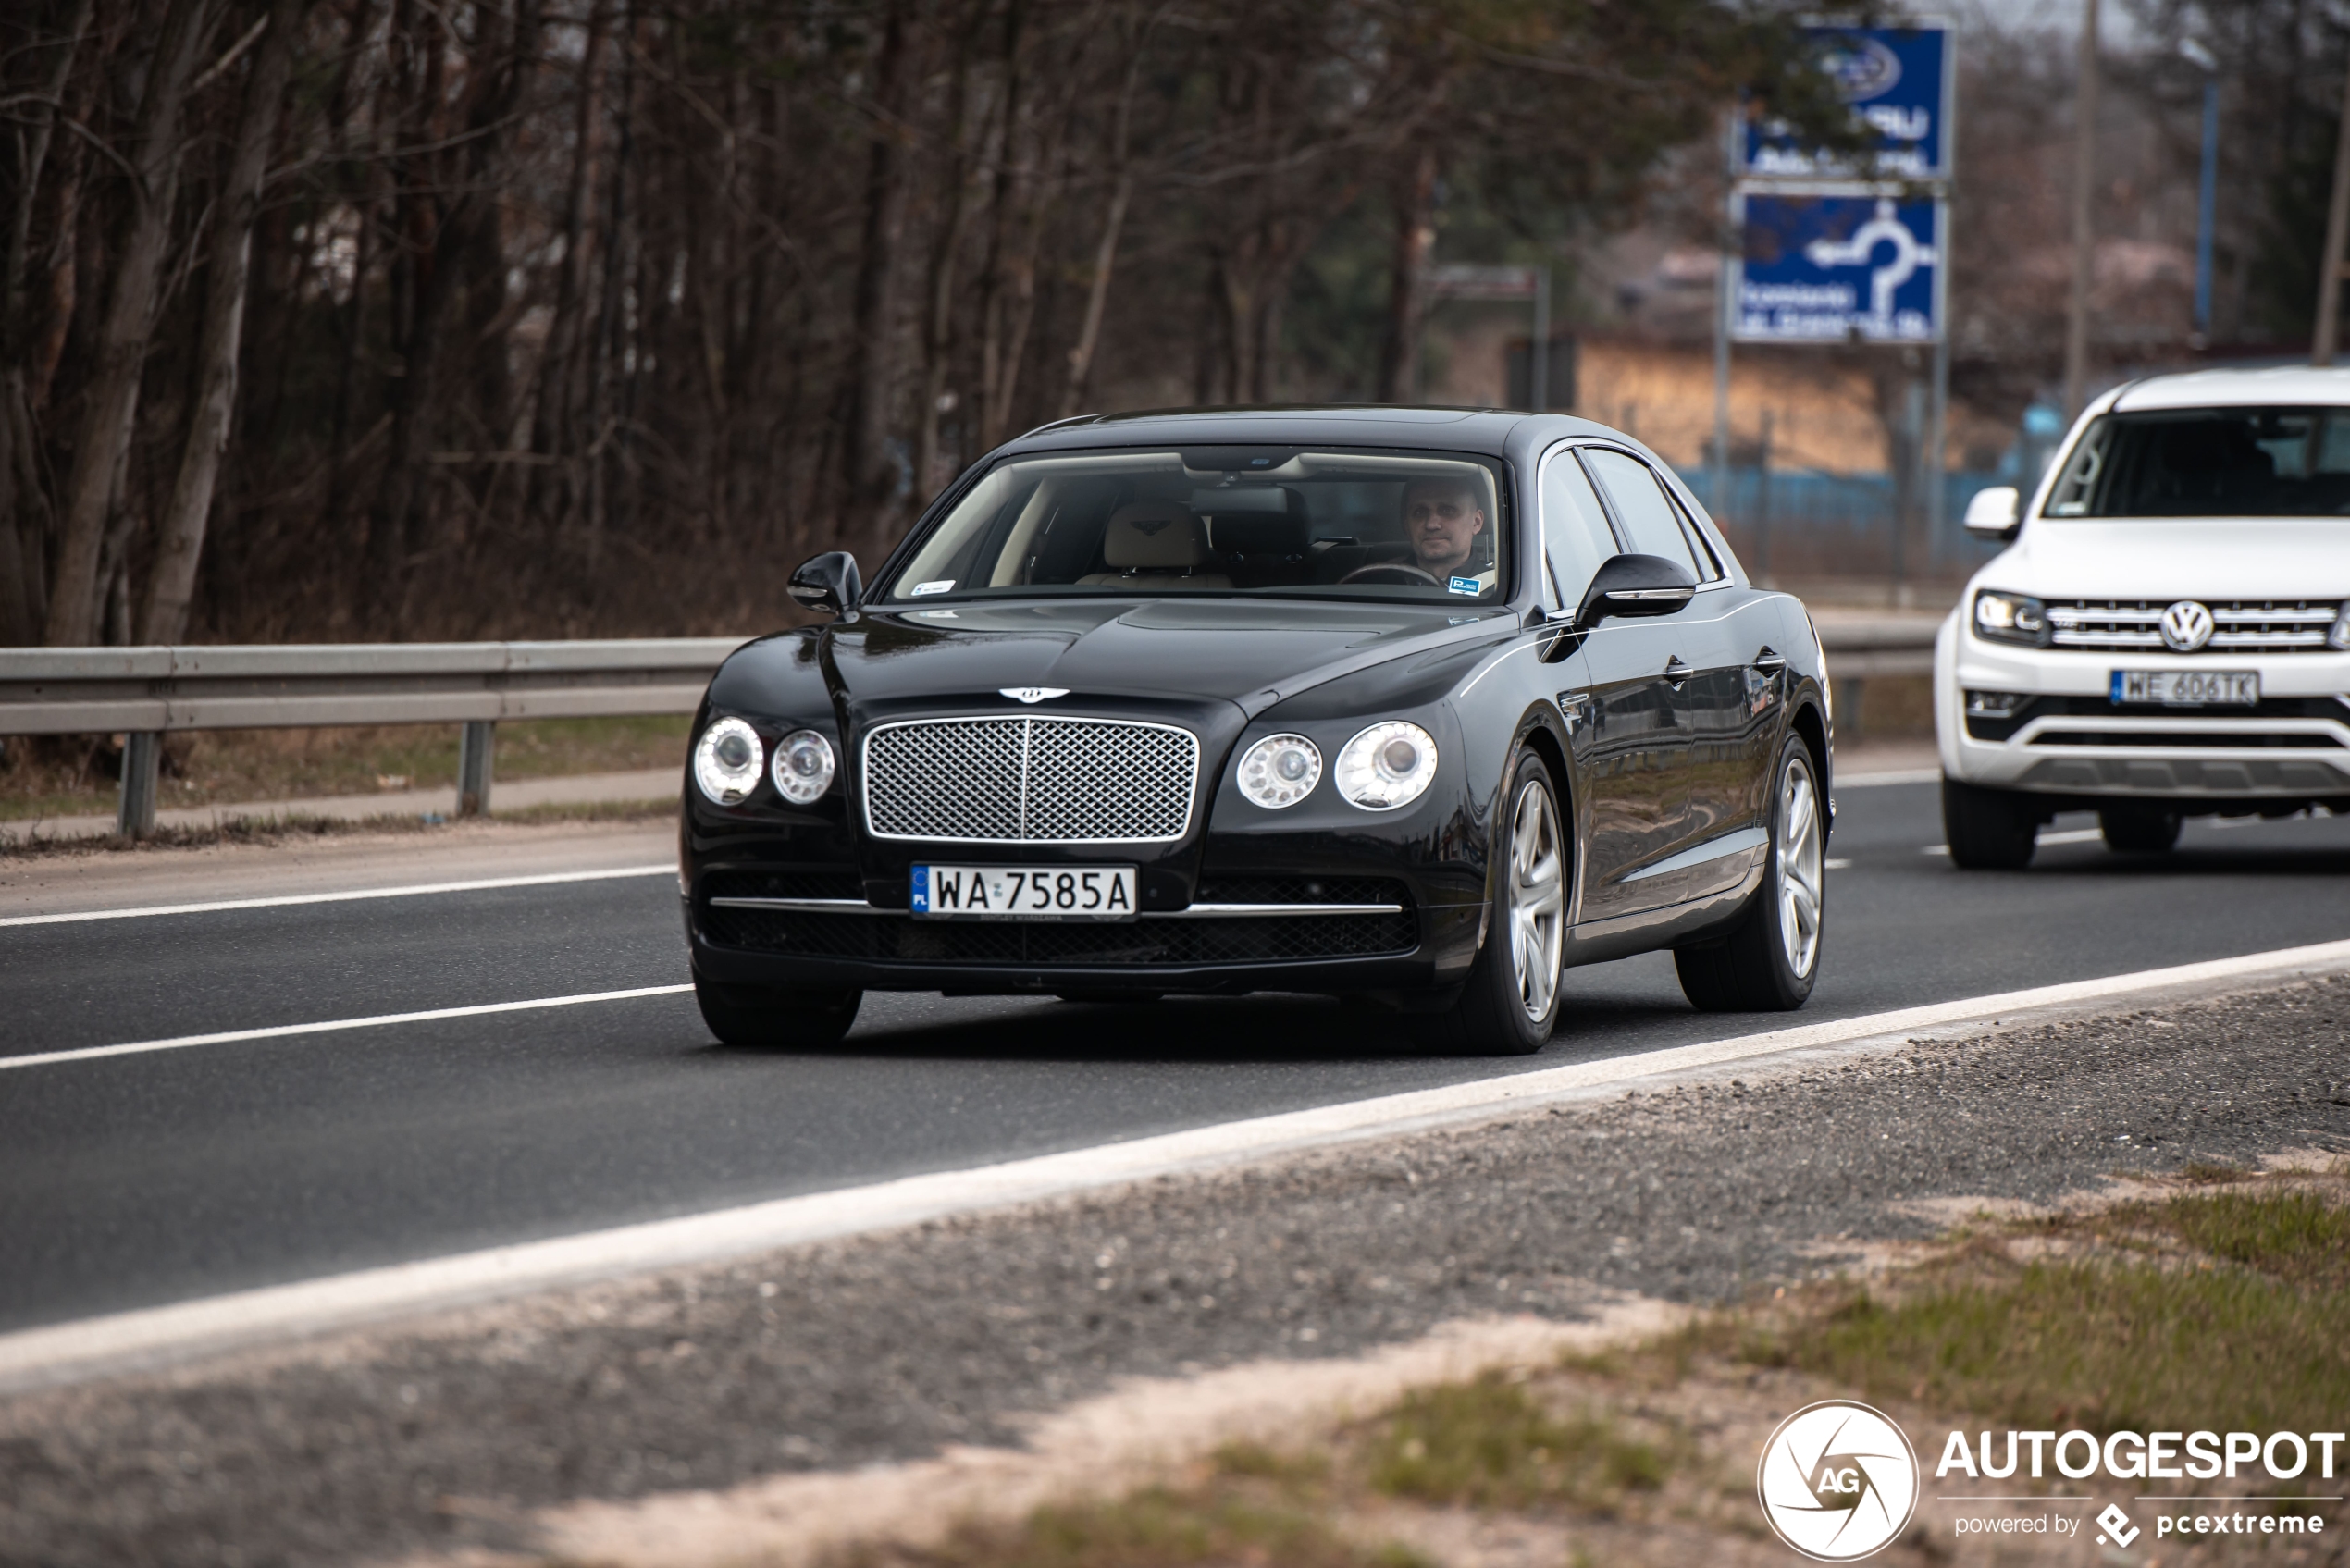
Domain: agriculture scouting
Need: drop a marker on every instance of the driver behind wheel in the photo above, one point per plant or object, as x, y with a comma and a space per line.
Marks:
1444, 519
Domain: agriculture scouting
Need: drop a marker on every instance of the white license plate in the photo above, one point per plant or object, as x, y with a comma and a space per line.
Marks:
2187, 688
1024, 892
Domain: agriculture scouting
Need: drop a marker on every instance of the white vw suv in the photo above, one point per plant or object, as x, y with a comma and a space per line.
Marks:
2169, 635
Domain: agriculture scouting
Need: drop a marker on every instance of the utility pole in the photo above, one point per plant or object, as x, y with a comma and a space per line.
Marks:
2084, 174
2207, 206
1733, 125
2337, 220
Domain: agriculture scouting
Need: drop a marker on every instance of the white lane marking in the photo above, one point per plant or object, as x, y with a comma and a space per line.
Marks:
159, 1335
2069, 835
415, 889
1838, 865
330, 1026
1890, 777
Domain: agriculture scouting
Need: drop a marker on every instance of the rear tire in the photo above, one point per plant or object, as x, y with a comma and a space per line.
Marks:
1988, 830
1510, 1001
759, 1018
2138, 830
1770, 959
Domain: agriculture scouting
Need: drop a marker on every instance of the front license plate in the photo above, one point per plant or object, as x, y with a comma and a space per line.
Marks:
1024, 892
2187, 688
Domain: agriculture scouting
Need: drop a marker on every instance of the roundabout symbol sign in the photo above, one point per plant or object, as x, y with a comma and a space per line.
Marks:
1837, 1481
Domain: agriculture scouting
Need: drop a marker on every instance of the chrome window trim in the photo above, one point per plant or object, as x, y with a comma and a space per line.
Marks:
864, 776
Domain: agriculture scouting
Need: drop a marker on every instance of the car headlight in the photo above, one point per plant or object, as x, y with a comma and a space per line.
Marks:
1387, 765
726, 762
1280, 771
2010, 618
804, 767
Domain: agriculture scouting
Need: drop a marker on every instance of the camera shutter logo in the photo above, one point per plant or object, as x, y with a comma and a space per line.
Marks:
2186, 626
1839, 1481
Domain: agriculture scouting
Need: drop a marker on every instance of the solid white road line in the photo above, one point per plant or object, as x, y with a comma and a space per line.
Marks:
1890, 777
415, 890
330, 1026
158, 1335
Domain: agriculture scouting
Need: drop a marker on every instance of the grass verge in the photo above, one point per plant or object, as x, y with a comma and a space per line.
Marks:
2219, 1301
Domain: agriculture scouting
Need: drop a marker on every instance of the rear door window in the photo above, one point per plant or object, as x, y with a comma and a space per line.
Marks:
1651, 523
1576, 539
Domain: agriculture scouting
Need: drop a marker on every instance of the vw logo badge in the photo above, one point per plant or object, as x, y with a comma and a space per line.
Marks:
1034, 694
2186, 626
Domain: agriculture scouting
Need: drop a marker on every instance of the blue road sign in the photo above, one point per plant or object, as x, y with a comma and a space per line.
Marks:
1898, 81
1839, 266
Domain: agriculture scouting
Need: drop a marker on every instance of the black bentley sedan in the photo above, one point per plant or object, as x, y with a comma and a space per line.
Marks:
1418, 706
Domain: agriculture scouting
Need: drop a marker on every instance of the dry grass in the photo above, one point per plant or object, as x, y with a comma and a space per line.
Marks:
75, 775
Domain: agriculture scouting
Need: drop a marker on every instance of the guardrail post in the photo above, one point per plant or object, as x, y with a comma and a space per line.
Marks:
141, 756
1849, 695
474, 753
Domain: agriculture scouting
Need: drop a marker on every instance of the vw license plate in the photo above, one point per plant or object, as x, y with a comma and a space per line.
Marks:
2187, 688
1024, 892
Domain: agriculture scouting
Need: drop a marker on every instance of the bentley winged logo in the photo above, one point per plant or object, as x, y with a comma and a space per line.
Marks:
1034, 694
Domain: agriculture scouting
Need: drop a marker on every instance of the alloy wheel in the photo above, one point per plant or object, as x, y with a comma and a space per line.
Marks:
1800, 867
1537, 899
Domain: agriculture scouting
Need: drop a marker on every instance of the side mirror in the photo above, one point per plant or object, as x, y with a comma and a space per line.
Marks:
1992, 513
827, 582
1634, 585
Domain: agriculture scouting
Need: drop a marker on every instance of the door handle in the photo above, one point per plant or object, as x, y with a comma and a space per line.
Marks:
1675, 672
1769, 661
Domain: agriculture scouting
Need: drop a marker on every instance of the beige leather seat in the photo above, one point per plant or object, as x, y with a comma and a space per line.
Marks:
1156, 545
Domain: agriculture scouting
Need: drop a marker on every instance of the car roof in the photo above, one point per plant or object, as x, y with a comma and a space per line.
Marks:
1495, 432
2283, 384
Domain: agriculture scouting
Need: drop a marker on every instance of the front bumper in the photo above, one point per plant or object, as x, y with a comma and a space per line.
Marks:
869, 948
2069, 739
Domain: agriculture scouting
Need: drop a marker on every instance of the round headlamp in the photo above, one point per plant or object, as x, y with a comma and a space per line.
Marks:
804, 767
726, 762
1280, 771
1387, 766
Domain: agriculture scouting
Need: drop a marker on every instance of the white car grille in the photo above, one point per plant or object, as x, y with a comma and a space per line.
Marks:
1031, 780
2239, 627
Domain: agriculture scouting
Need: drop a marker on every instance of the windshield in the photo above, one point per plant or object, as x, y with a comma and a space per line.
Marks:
2209, 461
1348, 525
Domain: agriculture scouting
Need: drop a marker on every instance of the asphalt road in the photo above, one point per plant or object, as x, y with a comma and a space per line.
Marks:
139, 1179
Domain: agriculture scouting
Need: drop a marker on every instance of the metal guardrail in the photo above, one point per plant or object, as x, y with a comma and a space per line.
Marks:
147, 693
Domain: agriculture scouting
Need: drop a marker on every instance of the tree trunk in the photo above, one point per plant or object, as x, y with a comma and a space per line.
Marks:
1089, 333
870, 480
1399, 369
552, 498
172, 582
113, 394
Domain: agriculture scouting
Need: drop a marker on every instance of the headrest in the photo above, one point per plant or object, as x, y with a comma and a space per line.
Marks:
1153, 533
1258, 533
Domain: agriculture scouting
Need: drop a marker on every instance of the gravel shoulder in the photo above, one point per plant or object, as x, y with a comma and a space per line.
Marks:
456, 1433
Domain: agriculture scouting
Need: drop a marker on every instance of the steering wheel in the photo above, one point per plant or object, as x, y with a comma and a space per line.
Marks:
1391, 572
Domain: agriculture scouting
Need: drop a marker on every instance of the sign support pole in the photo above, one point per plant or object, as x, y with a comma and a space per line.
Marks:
1719, 499
1538, 357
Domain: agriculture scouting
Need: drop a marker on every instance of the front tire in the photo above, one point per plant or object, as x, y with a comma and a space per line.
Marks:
1770, 959
759, 1018
1510, 1001
2138, 830
1988, 830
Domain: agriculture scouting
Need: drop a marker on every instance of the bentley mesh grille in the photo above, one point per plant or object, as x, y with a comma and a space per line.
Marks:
2238, 626
1029, 780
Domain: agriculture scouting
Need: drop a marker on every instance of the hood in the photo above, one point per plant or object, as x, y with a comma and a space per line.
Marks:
1249, 652
2168, 558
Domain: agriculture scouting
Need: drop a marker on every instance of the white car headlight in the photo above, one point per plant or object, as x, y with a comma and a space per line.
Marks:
726, 762
1280, 771
804, 767
1387, 766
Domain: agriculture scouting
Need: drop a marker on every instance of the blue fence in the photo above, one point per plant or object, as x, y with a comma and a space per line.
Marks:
1801, 519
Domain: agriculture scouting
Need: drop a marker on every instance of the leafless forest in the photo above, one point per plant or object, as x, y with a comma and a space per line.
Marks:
343, 319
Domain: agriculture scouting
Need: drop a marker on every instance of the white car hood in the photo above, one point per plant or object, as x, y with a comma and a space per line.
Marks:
2163, 558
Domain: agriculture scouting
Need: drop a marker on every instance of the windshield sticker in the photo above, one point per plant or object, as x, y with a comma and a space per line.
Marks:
940, 587
1458, 585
